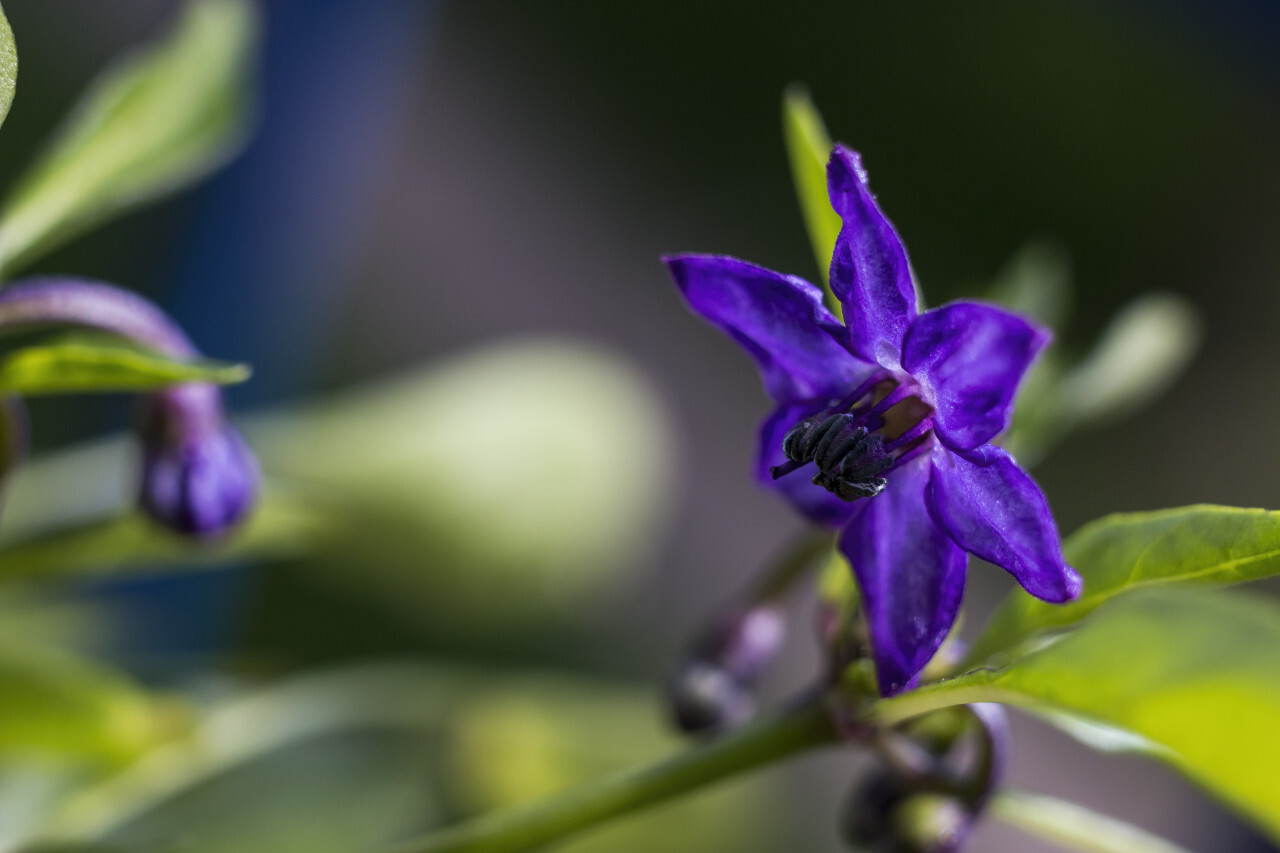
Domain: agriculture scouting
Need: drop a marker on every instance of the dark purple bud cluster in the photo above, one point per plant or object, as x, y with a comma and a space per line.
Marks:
931, 788
199, 478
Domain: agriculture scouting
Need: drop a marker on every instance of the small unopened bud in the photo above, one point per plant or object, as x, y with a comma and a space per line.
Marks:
885, 815
199, 477
704, 698
934, 784
712, 687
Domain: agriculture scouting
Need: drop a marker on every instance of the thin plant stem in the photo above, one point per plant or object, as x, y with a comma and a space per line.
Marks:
1073, 826
791, 566
805, 726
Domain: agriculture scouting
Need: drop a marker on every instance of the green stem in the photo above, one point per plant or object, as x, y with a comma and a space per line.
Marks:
791, 566
528, 827
1073, 826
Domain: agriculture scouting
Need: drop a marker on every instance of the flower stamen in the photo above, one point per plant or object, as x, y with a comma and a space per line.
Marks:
849, 445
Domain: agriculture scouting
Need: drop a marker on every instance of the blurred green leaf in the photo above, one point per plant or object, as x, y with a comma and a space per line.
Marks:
808, 149
343, 792
1195, 674
344, 760
55, 702
8, 67
286, 523
1036, 282
1073, 826
148, 126
1147, 345
338, 761
83, 364
1200, 545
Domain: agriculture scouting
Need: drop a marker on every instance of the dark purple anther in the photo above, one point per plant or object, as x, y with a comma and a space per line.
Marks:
883, 424
199, 477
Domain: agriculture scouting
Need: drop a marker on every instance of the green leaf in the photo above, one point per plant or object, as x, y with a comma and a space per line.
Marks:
82, 364
1036, 282
8, 67
285, 524
54, 702
1201, 545
1144, 349
342, 760
334, 762
1197, 674
148, 126
808, 149
1074, 827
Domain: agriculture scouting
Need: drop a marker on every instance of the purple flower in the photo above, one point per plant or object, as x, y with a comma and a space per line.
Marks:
883, 424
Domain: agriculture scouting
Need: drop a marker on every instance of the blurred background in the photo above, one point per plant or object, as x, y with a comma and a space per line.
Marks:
471, 198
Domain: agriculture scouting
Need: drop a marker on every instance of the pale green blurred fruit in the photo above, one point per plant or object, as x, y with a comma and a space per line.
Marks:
504, 486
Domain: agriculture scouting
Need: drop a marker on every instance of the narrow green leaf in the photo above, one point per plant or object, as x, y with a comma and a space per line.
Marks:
8, 67
1201, 545
1073, 826
284, 525
54, 702
148, 126
1144, 349
354, 756
81, 364
808, 149
1036, 282
1197, 674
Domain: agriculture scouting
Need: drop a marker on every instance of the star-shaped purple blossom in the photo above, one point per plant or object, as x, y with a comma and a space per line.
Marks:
883, 424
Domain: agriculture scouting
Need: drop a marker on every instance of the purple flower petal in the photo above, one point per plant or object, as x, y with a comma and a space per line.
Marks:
992, 508
971, 357
779, 319
813, 502
870, 274
910, 572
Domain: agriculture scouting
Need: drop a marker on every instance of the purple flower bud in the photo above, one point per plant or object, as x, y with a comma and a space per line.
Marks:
711, 689
199, 477
704, 698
